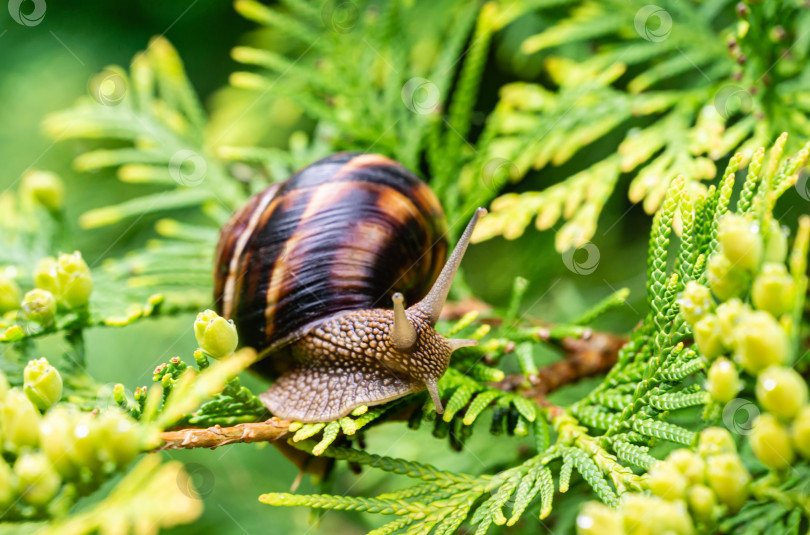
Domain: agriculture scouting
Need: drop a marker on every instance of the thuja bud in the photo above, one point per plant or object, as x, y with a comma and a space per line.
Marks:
740, 241
121, 439
776, 243
42, 383
74, 280
216, 336
725, 279
201, 359
689, 463
781, 391
695, 302
45, 275
7, 494
770, 442
800, 432
40, 306
774, 290
650, 514
56, 437
723, 380
759, 342
37, 480
120, 395
714, 441
728, 314
702, 502
45, 188
9, 294
19, 420
666, 481
598, 519
87, 441
708, 338
728, 478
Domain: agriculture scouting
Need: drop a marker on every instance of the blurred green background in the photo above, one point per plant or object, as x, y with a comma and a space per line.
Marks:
44, 68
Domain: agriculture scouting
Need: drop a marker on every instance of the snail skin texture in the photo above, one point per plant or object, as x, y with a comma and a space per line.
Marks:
316, 273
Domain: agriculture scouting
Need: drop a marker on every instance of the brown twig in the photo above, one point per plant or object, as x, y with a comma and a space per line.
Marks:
588, 355
213, 437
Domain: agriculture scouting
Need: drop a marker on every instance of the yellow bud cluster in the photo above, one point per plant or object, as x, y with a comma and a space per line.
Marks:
783, 430
753, 336
689, 490
67, 278
52, 450
723, 325
637, 514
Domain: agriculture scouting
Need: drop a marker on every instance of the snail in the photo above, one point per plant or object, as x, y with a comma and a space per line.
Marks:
316, 272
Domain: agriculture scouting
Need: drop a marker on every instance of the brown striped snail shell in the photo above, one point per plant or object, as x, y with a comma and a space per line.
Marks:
307, 269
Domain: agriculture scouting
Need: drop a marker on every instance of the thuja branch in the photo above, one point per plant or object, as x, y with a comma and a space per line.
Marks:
591, 354
215, 436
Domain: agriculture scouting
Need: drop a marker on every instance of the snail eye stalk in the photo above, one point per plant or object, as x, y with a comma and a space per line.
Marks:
403, 334
433, 302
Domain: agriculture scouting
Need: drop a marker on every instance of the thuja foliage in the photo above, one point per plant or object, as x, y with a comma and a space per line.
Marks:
726, 284
676, 86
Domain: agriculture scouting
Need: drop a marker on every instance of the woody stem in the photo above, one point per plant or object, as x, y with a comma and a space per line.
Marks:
213, 437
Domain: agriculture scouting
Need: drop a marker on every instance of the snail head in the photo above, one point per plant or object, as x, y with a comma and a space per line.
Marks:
417, 349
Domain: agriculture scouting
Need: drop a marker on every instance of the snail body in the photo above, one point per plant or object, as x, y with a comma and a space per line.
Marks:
307, 270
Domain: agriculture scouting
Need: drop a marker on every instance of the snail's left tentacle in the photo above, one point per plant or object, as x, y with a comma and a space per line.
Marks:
431, 305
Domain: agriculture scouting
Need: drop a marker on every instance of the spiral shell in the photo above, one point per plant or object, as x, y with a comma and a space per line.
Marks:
342, 234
